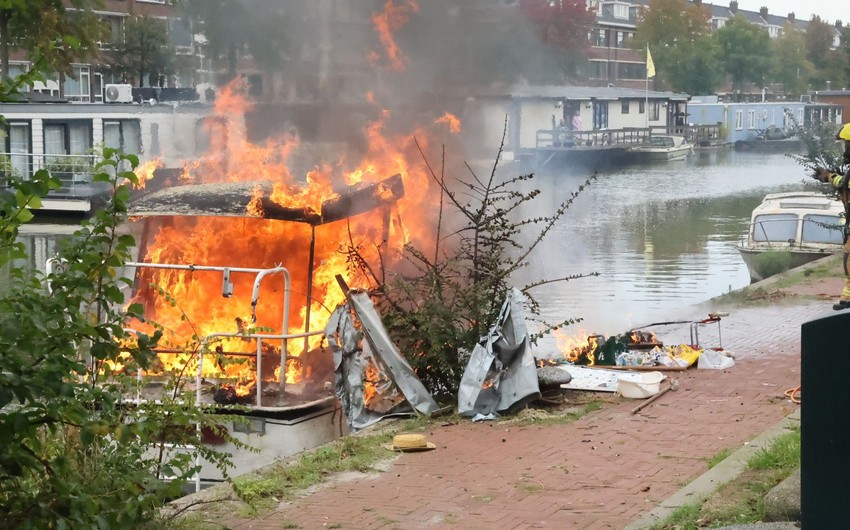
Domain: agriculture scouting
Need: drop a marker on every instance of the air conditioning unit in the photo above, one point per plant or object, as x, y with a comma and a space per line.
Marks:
118, 94
806, 98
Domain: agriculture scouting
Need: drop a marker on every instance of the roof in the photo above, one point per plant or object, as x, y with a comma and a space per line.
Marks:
580, 93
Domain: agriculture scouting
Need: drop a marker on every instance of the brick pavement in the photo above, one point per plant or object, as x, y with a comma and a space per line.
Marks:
600, 472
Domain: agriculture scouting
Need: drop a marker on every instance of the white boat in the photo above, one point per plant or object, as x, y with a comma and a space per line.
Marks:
663, 148
791, 229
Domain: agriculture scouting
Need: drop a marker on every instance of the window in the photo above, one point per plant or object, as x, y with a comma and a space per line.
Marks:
739, 120
624, 107
775, 227
17, 144
654, 110
180, 32
68, 138
621, 11
63, 141
751, 119
123, 135
79, 89
602, 38
823, 229
642, 107
621, 37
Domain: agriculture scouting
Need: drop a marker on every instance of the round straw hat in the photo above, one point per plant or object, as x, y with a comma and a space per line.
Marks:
411, 442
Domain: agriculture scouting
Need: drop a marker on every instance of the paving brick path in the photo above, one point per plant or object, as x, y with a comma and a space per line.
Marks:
601, 472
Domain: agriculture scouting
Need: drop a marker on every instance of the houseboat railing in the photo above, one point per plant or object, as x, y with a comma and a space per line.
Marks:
700, 135
564, 138
73, 171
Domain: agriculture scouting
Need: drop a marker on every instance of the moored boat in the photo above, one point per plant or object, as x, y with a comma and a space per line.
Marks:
791, 229
663, 148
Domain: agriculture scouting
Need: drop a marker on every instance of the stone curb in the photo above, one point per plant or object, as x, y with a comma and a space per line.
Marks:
726, 471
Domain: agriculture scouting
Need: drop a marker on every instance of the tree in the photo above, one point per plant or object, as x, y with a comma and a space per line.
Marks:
48, 30
698, 70
144, 49
744, 52
438, 309
790, 66
263, 28
562, 26
675, 32
819, 52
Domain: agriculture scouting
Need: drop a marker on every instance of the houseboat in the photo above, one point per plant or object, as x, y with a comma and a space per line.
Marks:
763, 125
585, 127
791, 229
48, 132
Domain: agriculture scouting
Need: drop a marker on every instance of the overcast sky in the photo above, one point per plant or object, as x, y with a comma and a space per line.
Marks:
828, 10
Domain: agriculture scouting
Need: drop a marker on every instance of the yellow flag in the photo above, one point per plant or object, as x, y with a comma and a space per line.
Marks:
650, 65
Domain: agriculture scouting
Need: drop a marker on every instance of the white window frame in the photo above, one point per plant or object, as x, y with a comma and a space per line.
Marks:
739, 120
751, 119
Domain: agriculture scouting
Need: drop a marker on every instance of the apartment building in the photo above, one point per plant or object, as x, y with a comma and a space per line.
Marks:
88, 84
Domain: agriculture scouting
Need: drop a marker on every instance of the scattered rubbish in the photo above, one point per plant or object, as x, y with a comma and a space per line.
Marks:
597, 379
674, 385
501, 374
485, 417
410, 443
715, 360
639, 386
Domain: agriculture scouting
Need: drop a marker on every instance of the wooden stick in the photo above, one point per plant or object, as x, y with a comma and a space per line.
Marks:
673, 386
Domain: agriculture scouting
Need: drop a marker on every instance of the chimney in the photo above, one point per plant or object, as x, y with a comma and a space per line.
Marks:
733, 6
763, 12
791, 18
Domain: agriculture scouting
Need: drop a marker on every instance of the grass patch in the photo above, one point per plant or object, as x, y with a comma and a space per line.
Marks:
741, 500
261, 490
719, 457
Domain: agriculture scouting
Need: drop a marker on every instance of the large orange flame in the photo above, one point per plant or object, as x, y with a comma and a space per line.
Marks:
388, 21
189, 303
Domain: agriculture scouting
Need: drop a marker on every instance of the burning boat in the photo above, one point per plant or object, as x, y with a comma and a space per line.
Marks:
245, 347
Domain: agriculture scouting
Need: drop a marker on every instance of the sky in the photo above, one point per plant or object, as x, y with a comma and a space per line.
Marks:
828, 10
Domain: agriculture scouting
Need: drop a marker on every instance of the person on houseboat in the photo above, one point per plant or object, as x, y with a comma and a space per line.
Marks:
839, 180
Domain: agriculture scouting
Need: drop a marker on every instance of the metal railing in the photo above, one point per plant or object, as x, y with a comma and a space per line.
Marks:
630, 136
73, 171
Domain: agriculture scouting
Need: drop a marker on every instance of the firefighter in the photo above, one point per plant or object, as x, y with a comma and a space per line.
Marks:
839, 181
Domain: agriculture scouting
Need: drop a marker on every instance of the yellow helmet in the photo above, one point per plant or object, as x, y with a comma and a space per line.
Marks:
844, 133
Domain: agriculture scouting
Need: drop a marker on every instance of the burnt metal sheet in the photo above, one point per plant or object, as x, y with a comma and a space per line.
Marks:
354, 348
231, 199
501, 375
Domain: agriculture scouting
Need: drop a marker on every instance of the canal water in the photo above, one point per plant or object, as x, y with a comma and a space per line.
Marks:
662, 237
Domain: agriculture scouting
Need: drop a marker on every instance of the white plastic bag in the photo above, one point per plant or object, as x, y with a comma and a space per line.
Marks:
715, 360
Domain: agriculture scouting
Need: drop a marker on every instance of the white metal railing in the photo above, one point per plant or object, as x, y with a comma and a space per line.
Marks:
73, 171
227, 290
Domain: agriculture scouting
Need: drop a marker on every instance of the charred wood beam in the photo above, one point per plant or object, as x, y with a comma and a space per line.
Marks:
232, 199
363, 200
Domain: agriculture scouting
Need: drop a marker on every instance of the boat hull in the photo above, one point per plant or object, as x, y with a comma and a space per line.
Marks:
763, 263
666, 155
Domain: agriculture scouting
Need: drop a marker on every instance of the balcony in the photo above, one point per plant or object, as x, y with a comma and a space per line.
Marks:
73, 171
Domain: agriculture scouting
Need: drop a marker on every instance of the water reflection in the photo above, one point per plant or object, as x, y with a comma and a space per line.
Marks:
662, 236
